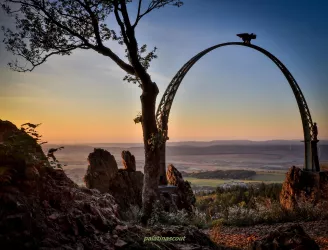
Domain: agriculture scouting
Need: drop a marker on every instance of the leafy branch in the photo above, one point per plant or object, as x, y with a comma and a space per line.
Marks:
157, 140
138, 118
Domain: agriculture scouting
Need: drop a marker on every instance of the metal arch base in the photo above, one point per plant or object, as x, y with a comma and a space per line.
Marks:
165, 105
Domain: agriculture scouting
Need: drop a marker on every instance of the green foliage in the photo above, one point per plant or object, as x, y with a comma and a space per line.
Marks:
157, 140
138, 118
180, 217
236, 194
133, 214
159, 216
57, 27
241, 206
223, 174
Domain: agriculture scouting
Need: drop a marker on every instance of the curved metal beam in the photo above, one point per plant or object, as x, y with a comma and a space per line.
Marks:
165, 105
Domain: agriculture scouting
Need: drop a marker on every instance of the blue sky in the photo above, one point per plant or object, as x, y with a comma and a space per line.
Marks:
231, 93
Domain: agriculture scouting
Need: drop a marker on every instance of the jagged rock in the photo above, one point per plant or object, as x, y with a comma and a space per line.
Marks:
129, 162
127, 189
185, 198
101, 171
123, 184
303, 186
286, 238
55, 213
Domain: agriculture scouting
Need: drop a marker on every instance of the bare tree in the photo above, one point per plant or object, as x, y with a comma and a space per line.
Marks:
57, 27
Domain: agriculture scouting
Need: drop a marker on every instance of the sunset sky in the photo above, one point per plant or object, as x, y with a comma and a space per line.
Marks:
231, 93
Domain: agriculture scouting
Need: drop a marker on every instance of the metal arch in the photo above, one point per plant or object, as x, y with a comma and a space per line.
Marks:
165, 105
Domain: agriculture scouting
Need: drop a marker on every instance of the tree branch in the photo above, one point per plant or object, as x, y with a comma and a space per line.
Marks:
138, 14
63, 51
94, 21
156, 5
120, 23
108, 52
100, 48
132, 47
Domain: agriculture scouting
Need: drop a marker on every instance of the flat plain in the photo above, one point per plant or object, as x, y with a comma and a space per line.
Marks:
269, 160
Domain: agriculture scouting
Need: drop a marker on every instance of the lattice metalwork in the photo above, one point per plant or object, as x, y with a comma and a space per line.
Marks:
165, 105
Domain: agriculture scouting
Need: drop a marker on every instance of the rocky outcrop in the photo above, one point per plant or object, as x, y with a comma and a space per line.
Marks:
128, 160
6, 128
303, 187
124, 184
127, 189
102, 170
286, 238
41, 208
11, 136
184, 196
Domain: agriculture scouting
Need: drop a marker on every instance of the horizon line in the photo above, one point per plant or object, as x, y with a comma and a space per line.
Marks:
226, 140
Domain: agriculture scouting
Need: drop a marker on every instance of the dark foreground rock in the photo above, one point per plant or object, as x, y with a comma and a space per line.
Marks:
125, 185
304, 187
286, 238
49, 211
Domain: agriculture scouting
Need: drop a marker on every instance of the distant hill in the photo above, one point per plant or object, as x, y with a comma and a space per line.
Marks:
196, 143
239, 142
291, 150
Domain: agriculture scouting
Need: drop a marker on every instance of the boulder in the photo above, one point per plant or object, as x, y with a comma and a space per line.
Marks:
303, 187
290, 237
128, 160
124, 184
102, 170
183, 194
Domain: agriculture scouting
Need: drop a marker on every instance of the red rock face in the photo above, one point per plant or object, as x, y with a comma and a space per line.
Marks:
173, 176
185, 198
128, 160
302, 186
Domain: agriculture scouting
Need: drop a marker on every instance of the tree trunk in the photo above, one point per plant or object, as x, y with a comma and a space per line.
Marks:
152, 156
162, 174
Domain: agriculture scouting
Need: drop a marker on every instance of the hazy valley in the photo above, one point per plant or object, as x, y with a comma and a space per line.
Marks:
270, 159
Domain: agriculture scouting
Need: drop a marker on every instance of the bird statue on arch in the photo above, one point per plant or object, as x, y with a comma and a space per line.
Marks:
247, 37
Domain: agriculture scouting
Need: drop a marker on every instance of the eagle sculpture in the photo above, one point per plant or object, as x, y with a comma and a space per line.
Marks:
247, 37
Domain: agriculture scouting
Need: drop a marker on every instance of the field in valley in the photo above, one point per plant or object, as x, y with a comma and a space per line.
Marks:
270, 162
259, 177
